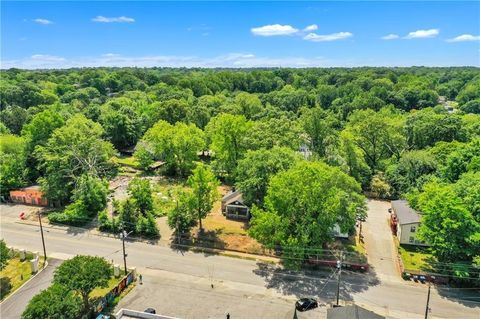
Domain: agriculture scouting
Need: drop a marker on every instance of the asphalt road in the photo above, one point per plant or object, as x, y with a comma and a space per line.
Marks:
13, 306
269, 288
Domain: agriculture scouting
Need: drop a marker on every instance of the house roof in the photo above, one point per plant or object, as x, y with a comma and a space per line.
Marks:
232, 197
351, 312
32, 188
405, 214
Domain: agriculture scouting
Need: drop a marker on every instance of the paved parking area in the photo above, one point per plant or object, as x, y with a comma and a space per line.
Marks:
14, 210
184, 296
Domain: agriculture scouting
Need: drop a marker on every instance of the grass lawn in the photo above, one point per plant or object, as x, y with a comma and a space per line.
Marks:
15, 274
231, 234
100, 292
129, 161
415, 258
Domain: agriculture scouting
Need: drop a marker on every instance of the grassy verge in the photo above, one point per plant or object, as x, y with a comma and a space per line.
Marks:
100, 292
415, 258
129, 161
15, 274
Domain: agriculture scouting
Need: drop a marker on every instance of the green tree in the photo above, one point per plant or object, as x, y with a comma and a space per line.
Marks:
123, 127
204, 191
71, 151
92, 191
426, 127
141, 192
302, 206
82, 274
129, 214
4, 254
177, 145
321, 128
254, 171
410, 171
227, 135
55, 302
183, 217
13, 168
447, 224
377, 134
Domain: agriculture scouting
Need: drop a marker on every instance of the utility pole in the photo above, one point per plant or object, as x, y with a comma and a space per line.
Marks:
43, 239
428, 302
339, 269
124, 236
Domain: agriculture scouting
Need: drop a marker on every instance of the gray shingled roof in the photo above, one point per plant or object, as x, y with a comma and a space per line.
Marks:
405, 214
232, 197
351, 312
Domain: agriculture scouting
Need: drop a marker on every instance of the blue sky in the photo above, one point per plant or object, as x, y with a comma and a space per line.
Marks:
58, 34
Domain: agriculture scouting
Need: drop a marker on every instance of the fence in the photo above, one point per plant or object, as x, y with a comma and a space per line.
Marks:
115, 292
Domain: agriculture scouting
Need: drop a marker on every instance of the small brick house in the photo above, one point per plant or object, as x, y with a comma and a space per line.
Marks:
31, 195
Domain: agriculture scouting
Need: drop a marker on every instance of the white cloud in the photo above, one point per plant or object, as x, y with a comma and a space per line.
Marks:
121, 19
274, 30
465, 38
310, 28
42, 21
47, 58
390, 36
231, 60
327, 37
419, 34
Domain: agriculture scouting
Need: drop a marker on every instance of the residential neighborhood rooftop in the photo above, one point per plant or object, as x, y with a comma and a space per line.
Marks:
351, 312
405, 214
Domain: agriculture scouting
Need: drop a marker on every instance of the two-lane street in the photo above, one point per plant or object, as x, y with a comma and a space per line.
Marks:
241, 286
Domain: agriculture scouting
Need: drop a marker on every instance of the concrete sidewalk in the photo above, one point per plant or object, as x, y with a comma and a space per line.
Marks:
14, 305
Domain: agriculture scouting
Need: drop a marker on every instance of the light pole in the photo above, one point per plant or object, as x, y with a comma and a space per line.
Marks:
43, 239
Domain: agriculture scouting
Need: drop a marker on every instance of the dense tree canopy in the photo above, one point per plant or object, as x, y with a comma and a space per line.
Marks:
303, 204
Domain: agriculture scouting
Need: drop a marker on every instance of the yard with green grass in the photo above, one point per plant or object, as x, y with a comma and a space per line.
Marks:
415, 258
15, 274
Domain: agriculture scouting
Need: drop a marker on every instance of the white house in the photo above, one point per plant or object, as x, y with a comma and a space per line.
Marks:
405, 222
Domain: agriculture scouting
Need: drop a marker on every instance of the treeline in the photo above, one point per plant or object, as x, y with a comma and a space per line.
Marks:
390, 132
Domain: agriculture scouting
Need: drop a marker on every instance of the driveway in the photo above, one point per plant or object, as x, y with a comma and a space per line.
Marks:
379, 241
13, 306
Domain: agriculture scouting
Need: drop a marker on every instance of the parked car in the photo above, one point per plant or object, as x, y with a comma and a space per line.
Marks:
150, 310
306, 304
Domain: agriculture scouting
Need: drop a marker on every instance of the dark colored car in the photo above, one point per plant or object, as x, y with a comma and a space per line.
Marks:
306, 304
150, 310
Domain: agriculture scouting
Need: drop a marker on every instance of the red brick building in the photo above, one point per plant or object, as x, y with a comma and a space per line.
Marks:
31, 195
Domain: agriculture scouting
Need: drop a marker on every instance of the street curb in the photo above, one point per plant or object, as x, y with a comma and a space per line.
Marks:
26, 282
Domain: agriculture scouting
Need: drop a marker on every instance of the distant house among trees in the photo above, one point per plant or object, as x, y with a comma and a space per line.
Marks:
405, 222
31, 195
234, 207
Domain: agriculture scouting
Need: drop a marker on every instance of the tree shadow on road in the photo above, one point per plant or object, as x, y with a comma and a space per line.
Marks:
314, 282
466, 297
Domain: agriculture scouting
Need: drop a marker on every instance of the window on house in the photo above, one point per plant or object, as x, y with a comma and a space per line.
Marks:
413, 229
411, 240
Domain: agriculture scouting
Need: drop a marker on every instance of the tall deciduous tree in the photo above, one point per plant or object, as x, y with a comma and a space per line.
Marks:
204, 191
177, 145
302, 206
54, 302
254, 171
141, 192
447, 223
13, 169
377, 134
82, 274
227, 135
71, 151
